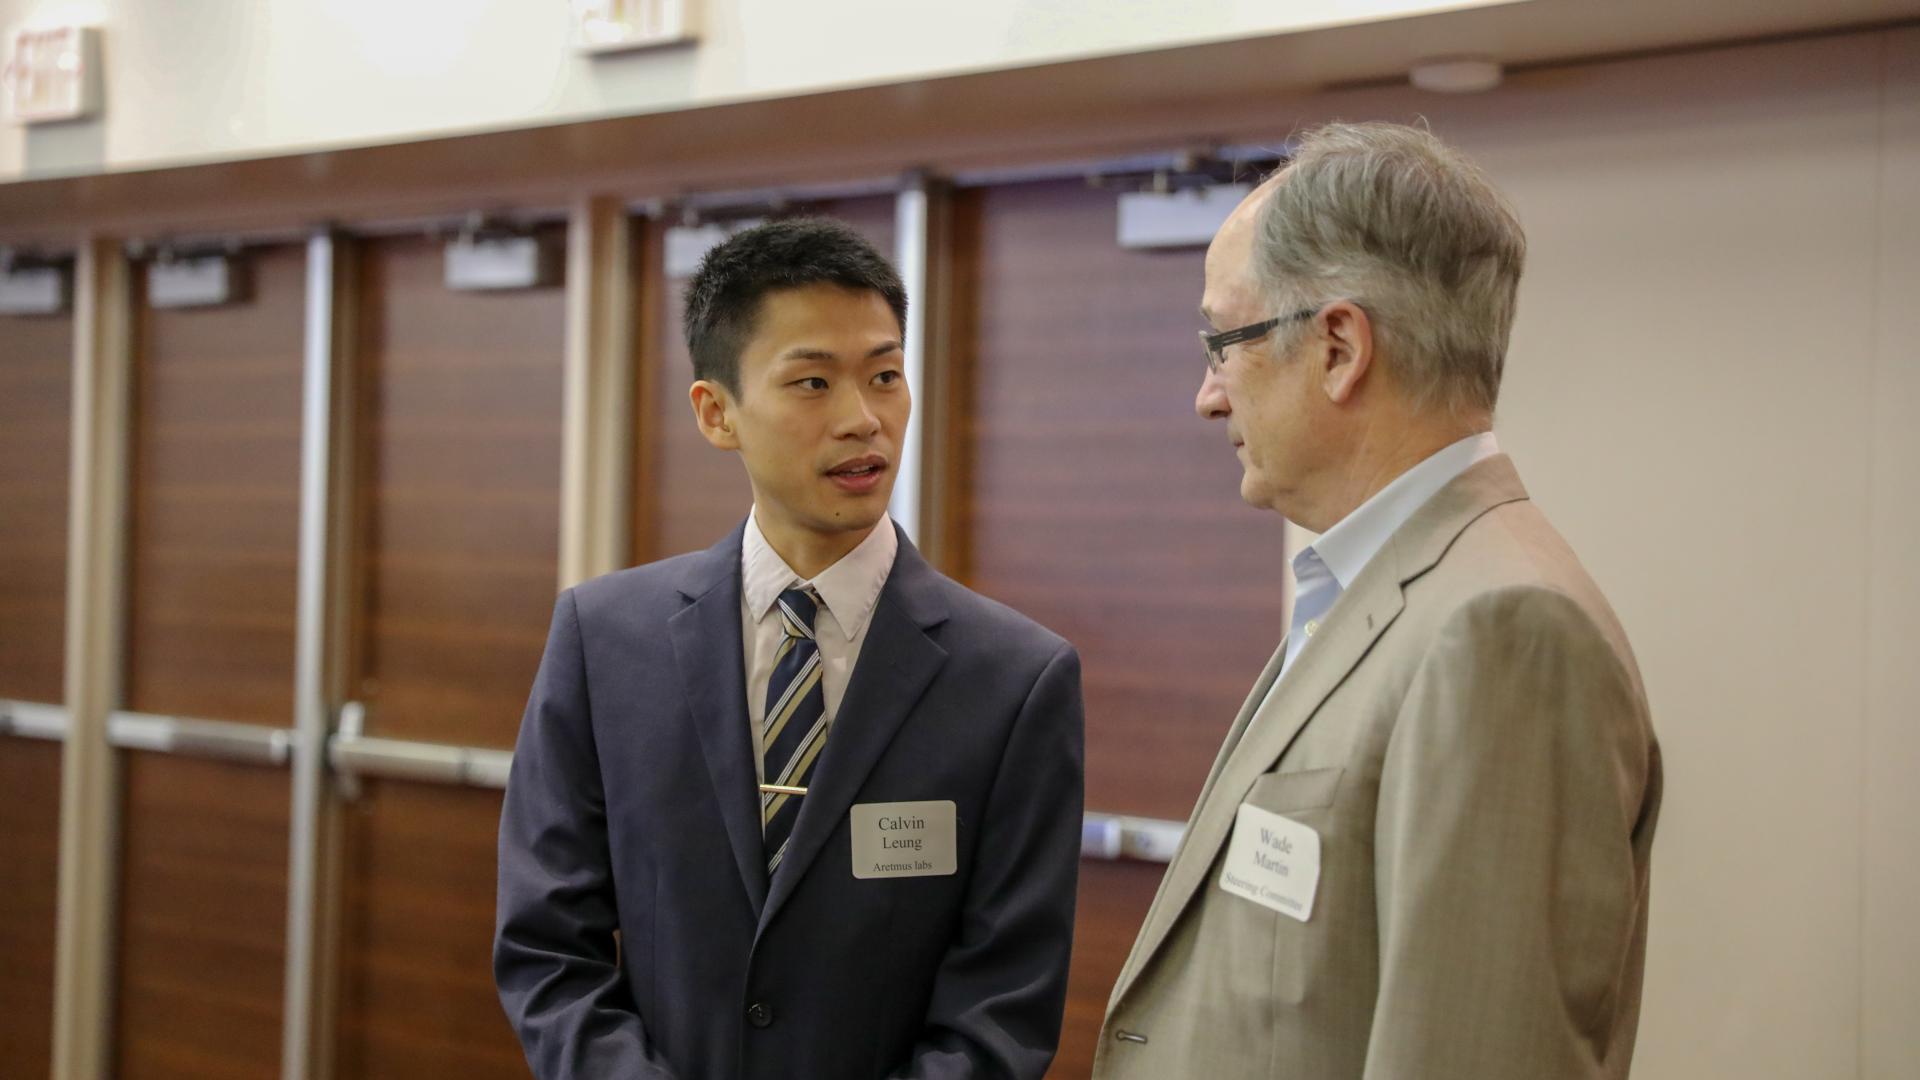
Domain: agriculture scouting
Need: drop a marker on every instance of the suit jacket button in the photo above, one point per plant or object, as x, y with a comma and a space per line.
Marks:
759, 1015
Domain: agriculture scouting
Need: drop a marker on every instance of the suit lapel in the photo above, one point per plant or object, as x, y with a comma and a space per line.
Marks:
1234, 734
897, 663
712, 663
1362, 614
1360, 617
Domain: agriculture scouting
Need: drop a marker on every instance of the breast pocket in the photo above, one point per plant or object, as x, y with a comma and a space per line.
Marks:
1296, 792
1298, 960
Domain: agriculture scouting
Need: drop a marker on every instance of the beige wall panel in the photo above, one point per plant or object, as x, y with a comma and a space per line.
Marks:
1688, 398
1700, 395
1890, 954
1694, 395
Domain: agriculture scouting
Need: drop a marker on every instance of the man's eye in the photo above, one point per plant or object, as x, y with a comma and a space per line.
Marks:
887, 378
812, 382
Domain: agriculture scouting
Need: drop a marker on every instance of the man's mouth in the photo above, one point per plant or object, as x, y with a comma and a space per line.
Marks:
872, 463
859, 475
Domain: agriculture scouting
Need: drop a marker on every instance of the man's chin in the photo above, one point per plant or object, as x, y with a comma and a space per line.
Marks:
860, 514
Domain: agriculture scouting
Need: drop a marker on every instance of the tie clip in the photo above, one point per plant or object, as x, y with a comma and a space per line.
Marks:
781, 789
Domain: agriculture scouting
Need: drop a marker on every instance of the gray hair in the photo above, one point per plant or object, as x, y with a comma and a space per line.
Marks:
1397, 221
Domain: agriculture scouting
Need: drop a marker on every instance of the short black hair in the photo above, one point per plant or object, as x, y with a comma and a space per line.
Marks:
723, 299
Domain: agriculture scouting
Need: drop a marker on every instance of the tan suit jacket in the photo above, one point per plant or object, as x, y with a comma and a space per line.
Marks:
1468, 734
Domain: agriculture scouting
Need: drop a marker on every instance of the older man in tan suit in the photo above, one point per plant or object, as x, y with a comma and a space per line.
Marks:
1422, 852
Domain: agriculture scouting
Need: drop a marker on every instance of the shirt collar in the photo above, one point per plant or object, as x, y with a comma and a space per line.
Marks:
1349, 546
848, 589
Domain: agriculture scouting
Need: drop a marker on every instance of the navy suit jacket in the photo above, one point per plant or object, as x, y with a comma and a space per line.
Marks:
638, 934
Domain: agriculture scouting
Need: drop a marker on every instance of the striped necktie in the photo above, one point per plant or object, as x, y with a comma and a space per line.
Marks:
796, 722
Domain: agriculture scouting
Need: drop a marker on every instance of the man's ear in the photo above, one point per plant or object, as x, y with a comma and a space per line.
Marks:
1347, 334
713, 411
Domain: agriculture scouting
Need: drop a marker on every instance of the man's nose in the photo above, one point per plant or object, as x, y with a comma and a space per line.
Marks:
858, 417
1211, 402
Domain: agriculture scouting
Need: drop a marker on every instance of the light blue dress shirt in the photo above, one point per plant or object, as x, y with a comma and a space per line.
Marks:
1325, 568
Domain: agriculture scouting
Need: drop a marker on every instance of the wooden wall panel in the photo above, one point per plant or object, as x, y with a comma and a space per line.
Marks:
214, 501
29, 873
1114, 897
36, 363
417, 997
459, 480
1094, 499
1090, 496
212, 553
688, 494
203, 909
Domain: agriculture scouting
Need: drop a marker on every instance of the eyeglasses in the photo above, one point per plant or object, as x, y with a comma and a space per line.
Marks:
1216, 344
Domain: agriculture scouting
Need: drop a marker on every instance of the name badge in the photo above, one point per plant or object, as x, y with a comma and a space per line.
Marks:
1272, 861
904, 839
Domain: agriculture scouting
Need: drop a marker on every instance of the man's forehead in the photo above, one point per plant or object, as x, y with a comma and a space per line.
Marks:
1249, 209
1230, 254
830, 354
1236, 233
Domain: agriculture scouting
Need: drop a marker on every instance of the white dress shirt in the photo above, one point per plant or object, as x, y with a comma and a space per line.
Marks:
1325, 568
848, 591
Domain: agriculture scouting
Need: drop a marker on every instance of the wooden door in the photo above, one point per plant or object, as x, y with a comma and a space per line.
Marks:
212, 550
36, 361
457, 519
1088, 495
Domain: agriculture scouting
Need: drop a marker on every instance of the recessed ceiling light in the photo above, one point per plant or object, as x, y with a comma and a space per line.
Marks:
1456, 76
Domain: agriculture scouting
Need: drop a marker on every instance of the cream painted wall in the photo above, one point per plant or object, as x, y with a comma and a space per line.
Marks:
1890, 901
197, 80
1714, 390
1691, 394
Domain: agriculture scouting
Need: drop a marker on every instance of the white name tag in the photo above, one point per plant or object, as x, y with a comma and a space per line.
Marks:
1272, 861
904, 839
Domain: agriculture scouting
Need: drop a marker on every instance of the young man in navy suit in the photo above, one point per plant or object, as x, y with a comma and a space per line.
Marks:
797, 805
